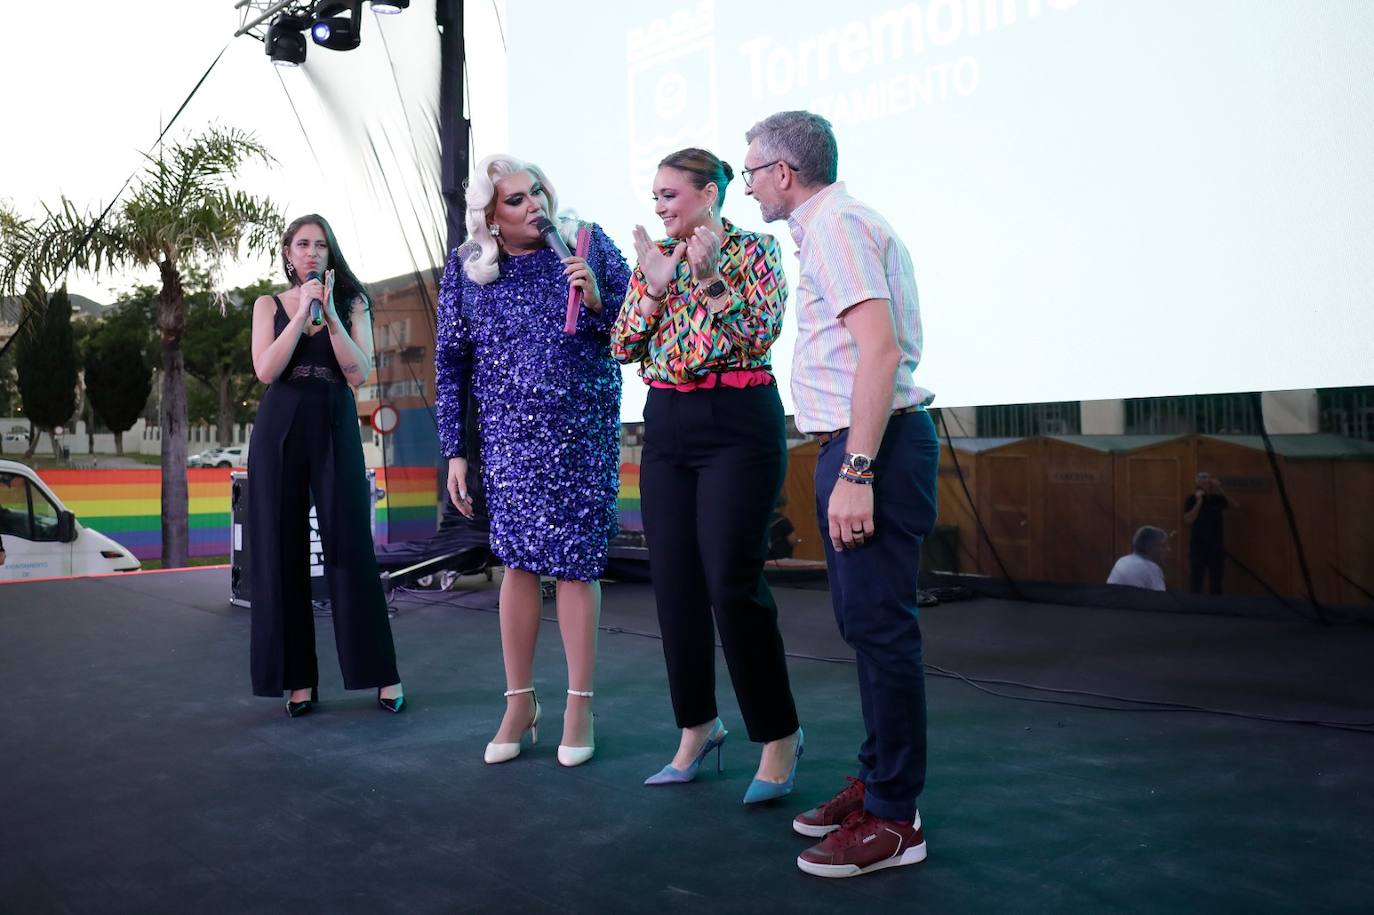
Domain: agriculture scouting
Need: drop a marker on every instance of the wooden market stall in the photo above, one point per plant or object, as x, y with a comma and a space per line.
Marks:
954, 514
1150, 481
1330, 485
1050, 506
1062, 508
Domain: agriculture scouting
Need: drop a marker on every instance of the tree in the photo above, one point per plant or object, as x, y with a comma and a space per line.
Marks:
83, 331
118, 376
219, 349
15, 234
181, 210
9, 393
46, 363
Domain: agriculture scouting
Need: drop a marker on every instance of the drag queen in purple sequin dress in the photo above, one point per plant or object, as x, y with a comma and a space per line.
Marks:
548, 405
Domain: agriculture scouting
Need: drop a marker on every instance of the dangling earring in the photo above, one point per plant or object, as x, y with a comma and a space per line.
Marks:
290, 269
495, 230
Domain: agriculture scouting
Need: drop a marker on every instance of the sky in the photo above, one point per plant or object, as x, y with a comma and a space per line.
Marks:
106, 77
1104, 175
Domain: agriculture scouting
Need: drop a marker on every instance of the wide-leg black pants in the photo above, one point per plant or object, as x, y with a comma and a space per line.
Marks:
712, 468
306, 442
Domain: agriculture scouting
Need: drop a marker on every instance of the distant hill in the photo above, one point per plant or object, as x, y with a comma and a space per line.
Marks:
85, 306
82, 306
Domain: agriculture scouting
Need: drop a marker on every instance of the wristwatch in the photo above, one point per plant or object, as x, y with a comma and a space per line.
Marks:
717, 289
859, 463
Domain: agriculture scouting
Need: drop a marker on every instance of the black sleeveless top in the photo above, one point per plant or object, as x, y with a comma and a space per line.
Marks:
313, 357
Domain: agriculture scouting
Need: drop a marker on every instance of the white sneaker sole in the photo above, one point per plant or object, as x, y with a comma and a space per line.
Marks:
912, 855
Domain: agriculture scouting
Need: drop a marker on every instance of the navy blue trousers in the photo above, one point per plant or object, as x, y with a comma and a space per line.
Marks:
874, 593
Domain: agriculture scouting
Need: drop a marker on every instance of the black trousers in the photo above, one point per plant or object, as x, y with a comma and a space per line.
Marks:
306, 442
712, 468
1206, 561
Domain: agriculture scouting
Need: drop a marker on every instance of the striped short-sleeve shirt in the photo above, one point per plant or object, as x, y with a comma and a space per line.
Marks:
848, 254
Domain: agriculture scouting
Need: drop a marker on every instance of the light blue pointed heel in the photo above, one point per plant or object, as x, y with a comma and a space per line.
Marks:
670, 776
760, 791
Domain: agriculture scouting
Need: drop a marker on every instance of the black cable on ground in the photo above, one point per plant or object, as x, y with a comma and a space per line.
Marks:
1132, 704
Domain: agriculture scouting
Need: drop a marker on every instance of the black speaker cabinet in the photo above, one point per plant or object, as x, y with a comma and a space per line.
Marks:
241, 549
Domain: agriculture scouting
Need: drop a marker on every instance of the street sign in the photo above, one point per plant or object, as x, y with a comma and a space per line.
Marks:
385, 419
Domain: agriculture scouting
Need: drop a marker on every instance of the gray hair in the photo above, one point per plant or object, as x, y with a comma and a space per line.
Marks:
803, 140
1147, 537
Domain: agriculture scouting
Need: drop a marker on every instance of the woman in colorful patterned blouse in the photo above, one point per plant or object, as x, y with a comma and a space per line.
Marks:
703, 308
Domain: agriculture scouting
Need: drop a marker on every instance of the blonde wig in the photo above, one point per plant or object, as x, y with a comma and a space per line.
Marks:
481, 253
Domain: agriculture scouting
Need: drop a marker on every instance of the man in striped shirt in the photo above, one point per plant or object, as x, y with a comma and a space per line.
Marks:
858, 345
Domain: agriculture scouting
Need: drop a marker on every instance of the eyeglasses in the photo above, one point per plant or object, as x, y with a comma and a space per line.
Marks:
748, 173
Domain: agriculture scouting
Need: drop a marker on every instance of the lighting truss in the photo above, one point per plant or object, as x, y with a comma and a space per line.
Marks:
255, 16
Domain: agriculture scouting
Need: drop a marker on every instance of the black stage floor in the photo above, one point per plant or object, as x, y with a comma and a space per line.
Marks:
140, 776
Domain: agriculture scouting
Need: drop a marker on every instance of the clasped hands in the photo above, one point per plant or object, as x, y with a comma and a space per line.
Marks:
702, 251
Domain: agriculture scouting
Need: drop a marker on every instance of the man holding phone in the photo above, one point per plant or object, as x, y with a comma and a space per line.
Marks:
1206, 543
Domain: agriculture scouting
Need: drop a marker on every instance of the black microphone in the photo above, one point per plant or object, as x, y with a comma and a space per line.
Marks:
549, 232
316, 306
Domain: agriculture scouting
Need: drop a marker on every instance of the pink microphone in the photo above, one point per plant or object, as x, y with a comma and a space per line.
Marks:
549, 232
584, 240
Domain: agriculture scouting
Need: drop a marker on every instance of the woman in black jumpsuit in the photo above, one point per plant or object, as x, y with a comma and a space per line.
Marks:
306, 442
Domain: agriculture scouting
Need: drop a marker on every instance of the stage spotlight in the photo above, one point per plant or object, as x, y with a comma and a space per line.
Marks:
389, 6
285, 43
333, 31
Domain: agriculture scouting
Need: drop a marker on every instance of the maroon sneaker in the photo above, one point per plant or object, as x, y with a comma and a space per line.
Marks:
826, 818
865, 843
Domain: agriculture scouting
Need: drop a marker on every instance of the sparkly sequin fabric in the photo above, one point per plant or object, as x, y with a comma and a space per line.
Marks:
548, 405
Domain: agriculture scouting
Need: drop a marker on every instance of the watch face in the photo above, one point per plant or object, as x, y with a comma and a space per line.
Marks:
860, 462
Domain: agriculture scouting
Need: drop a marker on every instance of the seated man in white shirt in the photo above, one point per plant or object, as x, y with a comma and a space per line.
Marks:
1141, 569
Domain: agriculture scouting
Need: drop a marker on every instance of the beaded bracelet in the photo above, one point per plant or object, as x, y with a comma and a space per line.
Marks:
852, 476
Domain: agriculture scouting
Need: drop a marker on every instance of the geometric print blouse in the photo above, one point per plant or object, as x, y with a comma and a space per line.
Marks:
683, 342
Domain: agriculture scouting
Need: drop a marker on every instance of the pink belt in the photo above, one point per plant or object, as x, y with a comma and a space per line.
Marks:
734, 378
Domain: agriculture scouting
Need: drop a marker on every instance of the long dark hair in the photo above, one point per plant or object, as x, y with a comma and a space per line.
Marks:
347, 286
705, 167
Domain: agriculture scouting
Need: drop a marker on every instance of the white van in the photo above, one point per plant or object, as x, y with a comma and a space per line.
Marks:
44, 540
236, 456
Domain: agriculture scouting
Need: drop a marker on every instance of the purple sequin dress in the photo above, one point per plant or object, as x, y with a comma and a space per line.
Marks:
548, 405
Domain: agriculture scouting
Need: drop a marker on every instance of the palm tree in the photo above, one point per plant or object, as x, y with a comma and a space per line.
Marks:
181, 210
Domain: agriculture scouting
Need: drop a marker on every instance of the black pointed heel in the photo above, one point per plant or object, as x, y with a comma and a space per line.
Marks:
297, 709
391, 705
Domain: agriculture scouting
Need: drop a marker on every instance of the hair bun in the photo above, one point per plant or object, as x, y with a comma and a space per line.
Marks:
729, 172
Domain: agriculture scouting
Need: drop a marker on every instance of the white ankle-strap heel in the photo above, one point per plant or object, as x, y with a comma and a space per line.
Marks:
576, 756
505, 752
